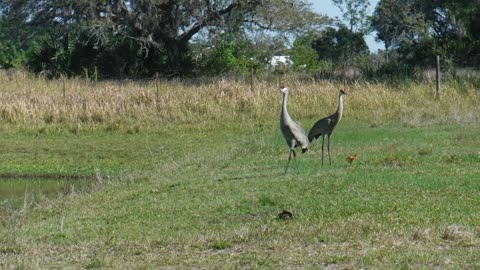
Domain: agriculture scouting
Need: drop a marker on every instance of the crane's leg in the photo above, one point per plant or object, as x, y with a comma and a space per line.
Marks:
292, 151
328, 147
295, 159
288, 163
323, 141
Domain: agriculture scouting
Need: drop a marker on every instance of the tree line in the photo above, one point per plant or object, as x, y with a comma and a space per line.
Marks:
138, 38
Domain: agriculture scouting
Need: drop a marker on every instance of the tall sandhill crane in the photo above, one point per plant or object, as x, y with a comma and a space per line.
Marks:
292, 132
325, 126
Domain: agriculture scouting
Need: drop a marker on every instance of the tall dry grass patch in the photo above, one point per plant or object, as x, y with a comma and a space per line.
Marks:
26, 100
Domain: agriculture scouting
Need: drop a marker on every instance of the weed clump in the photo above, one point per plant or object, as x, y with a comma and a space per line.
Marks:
456, 232
422, 235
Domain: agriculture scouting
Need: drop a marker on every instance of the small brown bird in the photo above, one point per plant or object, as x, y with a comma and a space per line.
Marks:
351, 158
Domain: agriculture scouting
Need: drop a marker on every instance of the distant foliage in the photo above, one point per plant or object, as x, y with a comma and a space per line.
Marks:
223, 58
323, 53
10, 55
354, 14
137, 39
141, 38
49, 56
341, 45
305, 56
389, 71
419, 30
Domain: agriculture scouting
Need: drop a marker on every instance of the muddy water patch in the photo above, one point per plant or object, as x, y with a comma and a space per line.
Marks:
18, 189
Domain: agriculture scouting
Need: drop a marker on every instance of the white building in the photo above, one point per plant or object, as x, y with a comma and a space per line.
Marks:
279, 61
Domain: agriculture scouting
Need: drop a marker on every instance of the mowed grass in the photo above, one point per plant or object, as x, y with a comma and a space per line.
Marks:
410, 200
207, 194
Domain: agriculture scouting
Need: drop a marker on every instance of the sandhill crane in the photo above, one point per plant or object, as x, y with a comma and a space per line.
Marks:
325, 126
292, 132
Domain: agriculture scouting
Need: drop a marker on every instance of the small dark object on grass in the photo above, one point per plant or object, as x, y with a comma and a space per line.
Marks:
285, 215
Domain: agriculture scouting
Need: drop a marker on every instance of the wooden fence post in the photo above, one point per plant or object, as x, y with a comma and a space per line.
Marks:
437, 77
156, 86
64, 87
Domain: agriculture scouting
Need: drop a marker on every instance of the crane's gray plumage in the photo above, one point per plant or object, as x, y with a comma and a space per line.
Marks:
325, 126
292, 132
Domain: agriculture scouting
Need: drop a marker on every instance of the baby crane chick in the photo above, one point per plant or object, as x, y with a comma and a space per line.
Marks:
351, 158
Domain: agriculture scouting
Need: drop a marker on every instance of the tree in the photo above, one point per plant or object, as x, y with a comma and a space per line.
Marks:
454, 33
305, 56
10, 55
419, 30
355, 14
236, 52
13, 48
340, 45
158, 30
399, 22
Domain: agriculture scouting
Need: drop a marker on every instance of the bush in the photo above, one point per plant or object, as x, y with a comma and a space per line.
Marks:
226, 57
11, 56
392, 70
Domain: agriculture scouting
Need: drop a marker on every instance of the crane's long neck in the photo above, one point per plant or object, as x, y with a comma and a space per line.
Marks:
340, 107
284, 106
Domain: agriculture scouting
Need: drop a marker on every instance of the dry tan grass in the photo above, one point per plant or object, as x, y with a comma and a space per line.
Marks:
456, 232
423, 235
25, 100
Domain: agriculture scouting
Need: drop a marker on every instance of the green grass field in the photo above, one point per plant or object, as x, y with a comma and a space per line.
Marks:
207, 194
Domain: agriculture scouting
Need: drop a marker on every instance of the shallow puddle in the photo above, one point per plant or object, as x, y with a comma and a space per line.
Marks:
14, 191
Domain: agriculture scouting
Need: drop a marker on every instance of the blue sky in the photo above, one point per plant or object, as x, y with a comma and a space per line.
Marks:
326, 7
